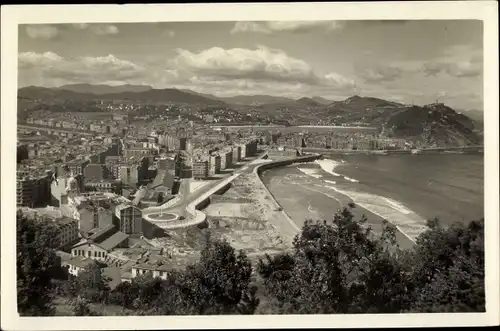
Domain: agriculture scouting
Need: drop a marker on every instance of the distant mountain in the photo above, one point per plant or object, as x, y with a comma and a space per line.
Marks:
361, 104
105, 89
206, 95
322, 100
251, 100
434, 123
308, 102
152, 95
476, 115
44, 93
164, 96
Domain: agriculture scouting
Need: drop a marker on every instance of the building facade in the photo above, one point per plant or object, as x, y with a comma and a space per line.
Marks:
200, 169
129, 219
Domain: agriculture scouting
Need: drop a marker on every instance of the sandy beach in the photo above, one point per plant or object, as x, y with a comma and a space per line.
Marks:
288, 186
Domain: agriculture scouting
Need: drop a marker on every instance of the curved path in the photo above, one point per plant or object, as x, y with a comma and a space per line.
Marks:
189, 203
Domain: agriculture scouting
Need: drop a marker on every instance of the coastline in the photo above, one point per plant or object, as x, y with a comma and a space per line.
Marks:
298, 213
423, 151
275, 213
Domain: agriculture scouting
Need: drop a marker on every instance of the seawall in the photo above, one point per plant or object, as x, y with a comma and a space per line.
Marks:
287, 226
275, 164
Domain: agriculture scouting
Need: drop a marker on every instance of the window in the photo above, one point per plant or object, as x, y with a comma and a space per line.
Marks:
95, 254
89, 254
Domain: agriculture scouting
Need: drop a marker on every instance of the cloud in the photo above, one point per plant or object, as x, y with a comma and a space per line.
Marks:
261, 64
32, 60
50, 68
471, 68
457, 61
285, 26
98, 29
42, 31
381, 74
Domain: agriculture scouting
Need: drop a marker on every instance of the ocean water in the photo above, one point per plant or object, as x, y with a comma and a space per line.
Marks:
407, 190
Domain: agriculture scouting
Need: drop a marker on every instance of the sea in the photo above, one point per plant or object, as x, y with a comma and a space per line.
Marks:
406, 190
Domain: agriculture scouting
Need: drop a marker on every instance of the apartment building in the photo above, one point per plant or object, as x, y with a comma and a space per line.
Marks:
129, 218
68, 231
33, 192
226, 159
110, 186
200, 169
92, 216
77, 166
214, 165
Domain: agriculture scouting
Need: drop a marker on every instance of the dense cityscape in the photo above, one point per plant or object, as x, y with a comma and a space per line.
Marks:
151, 200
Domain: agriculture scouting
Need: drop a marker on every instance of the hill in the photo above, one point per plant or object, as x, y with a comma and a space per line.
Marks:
164, 96
322, 100
252, 100
308, 102
476, 115
104, 89
152, 95
44, 93
434, 124
206, 95
361, 104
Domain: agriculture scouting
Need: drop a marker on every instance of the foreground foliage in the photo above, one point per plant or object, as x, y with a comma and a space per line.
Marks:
37, 264
338, 267
335, 267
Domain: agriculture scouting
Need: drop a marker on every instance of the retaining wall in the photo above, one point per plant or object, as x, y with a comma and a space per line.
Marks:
274, 164
266, 166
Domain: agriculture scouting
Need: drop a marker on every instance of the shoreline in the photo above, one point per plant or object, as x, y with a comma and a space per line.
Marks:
275, 212
423, 151
342, 200
380, 217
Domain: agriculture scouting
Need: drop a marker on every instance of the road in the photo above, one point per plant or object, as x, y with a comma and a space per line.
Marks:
36, 127
187, 197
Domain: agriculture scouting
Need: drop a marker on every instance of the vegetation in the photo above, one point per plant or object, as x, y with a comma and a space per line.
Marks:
37, 266
335, 267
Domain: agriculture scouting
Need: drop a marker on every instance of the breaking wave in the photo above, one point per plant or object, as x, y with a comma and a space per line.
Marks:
407, 221
328, 166
310, 172
351, 179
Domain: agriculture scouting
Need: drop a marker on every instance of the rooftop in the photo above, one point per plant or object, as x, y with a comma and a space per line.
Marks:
114, 240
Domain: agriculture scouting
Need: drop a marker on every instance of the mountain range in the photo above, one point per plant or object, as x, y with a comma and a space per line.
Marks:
104, 89
441, 123
148, 93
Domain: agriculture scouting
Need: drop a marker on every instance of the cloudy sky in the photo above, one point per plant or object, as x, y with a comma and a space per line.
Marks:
405, 61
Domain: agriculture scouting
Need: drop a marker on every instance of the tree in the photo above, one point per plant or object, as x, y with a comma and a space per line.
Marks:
337, 267
340, 267
81, 307
91, 284
220, 282
448, 271
37, 264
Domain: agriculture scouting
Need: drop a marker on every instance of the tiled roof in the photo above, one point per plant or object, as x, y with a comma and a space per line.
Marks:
101, 231
113, 241
80, 261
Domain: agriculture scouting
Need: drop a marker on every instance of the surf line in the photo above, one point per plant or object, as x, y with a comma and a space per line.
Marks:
330, 196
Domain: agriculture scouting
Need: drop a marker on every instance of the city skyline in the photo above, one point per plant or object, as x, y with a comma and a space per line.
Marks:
429, 60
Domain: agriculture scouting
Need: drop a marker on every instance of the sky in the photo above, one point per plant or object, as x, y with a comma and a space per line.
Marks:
412, 61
